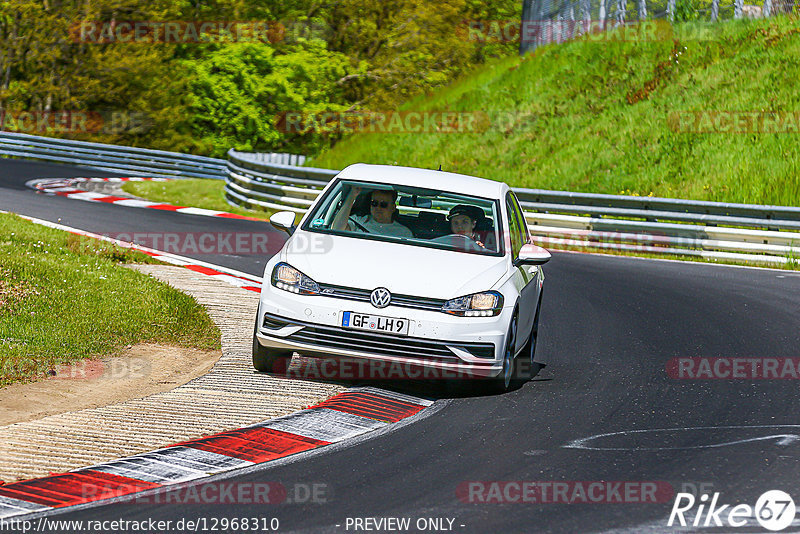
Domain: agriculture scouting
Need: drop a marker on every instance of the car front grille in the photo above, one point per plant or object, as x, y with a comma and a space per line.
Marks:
405, 301
328, 337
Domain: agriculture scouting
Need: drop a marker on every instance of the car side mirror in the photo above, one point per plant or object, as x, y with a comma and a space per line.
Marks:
532, 255
283, 220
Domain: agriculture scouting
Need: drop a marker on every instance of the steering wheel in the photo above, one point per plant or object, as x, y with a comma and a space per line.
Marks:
449, 237
361, 226
458, 240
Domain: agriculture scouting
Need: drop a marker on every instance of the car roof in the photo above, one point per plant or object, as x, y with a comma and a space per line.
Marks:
425, 178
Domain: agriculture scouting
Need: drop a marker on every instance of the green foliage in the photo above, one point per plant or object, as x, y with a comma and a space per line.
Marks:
689, 10
237, 91
46, 69
406, 47
204, 97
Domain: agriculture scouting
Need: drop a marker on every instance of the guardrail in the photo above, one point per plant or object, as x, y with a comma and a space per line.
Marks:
272, 186
115, 158
273, 157
558, 219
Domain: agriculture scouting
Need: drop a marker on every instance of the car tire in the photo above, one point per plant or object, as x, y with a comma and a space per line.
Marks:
506, 380
527, 367
269, 360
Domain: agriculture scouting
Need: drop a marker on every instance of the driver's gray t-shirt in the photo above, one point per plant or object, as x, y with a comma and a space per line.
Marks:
393, 228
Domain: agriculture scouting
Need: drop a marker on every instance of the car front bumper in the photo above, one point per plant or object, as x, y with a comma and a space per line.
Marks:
311, 324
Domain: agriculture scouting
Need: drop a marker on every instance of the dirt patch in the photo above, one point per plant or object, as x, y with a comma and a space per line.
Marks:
139, 371
13, 291
663, 72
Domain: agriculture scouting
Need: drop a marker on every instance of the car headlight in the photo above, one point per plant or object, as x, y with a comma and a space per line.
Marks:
286, 277
485, 304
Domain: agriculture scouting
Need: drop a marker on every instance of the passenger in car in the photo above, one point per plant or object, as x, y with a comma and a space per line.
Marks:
381, 218
463, 220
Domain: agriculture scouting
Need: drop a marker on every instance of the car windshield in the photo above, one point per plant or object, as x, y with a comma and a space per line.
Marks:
411, 215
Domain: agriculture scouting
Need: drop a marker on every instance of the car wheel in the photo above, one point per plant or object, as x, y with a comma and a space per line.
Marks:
505, 380
529, 352
268, 360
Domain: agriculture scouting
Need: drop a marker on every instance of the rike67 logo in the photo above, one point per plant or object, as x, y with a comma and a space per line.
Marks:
774, 510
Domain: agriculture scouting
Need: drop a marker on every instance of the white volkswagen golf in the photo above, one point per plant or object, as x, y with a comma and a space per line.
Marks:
410, 266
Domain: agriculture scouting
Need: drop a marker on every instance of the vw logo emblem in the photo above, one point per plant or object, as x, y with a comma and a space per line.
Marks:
380, 297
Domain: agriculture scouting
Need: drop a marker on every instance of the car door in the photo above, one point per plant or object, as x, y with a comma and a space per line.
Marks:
525, 275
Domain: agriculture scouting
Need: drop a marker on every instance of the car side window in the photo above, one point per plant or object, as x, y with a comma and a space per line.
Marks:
513, 227
523, 224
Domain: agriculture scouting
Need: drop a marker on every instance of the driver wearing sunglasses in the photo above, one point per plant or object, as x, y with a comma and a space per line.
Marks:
381, 218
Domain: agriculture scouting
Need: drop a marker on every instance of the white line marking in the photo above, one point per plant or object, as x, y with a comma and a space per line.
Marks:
87, 195
234, 281
59, 189
132, 202
199, 211
173, 261
781, 439
159, 254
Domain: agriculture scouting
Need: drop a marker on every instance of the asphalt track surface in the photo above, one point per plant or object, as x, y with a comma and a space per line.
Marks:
609, 325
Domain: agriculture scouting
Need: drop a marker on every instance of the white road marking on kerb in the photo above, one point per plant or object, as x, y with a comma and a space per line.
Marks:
232, 280
323, 424
149, 471
196, 211
393, 395
132, 202
87, 195
10, 507
196, 459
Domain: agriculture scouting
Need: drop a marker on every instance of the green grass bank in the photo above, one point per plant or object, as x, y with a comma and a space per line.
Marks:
64, 298
624, 117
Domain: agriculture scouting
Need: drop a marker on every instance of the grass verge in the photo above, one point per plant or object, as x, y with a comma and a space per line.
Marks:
64, 298
620, 118
193, 192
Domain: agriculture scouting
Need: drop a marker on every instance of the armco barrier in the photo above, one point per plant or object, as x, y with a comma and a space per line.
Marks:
130, 160
273, 186
558, 219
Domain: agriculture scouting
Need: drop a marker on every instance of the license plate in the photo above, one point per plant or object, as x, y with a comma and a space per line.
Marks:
375, 323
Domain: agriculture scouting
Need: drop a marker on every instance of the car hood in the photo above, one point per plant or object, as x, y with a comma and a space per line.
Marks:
402, 269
